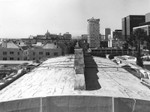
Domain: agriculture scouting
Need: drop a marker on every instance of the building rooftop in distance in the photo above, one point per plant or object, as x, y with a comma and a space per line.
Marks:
11, 62
55, 77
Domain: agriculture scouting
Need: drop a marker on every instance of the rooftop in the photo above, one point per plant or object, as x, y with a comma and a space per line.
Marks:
55, 77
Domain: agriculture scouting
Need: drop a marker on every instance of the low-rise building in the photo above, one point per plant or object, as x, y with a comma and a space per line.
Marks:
10, 51
46, 51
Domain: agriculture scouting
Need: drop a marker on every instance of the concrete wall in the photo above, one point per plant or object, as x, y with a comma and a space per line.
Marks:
75, 104
26, 105
131, 105
59, 104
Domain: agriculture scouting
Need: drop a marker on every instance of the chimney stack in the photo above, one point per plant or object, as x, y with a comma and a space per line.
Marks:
79, 69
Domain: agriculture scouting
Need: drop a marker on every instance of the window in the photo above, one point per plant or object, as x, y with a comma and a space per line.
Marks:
25, 58
40, 53
4, 58
47, 53
33, 58
4, 53
18, 53
34, 53
18, 58
55, 53
11, 58
11, 52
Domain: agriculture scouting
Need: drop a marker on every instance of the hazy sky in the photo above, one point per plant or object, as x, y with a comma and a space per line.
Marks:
21, 18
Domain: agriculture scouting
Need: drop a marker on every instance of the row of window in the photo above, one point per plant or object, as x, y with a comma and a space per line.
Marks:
11, 52
40, 53
11, 58
47, 53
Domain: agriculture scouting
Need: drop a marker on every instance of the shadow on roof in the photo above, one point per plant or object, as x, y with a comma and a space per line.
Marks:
90, 72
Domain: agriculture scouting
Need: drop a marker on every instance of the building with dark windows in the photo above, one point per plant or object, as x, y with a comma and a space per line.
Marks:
11, 51
124, 31
146, 28
129, 22
107, 32
145, 25
44, 51
117, 34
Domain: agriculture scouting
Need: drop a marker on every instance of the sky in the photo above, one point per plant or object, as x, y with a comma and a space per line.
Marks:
22, 18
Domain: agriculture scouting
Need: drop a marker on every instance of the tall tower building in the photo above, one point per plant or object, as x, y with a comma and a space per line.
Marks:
93, 33
107, 32
129, 22
124, 31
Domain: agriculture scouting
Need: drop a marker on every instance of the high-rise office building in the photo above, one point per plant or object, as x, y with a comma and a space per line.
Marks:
124, 31
129, 22
93, 33
107, 32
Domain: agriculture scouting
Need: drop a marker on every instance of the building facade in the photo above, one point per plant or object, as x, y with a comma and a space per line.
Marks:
107, 32
124, 31
93, 33
147, 17
129, 22
146, 28
11, 51
117, 34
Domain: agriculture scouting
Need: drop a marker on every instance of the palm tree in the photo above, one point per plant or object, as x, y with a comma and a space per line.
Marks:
148, 42
138, 37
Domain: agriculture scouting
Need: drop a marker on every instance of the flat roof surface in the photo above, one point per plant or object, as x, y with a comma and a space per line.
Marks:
55, 77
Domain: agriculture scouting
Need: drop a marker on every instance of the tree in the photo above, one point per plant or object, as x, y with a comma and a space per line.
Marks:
125, 46
138, 36
148, 42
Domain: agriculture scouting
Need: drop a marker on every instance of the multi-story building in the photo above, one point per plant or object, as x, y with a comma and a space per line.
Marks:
147, 17
129, 22
124, 31
146, 28
10, 51
93, 33
117, 34
45, 51
102, 37
107, 32
53, 37
67, 36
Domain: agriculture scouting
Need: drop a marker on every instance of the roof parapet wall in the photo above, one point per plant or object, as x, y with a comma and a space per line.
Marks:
79, 69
